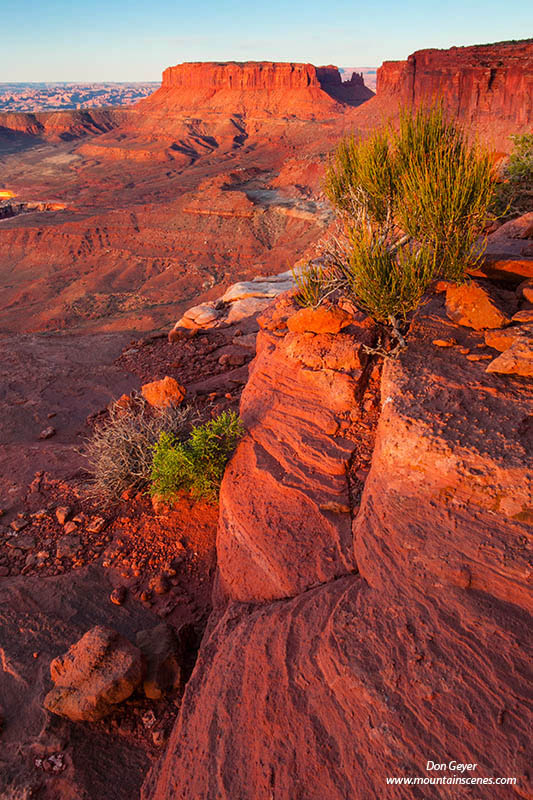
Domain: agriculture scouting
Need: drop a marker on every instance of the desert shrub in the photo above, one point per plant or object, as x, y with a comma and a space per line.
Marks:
120, 450
314, 282
446, 200
361, 179
412, 204
198, 464
515, 192
387, 283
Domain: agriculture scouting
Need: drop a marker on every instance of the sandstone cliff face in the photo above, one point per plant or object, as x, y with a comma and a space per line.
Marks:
422, 654
477, 83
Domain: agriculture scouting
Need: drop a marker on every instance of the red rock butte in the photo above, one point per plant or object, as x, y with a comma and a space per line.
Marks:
283, 89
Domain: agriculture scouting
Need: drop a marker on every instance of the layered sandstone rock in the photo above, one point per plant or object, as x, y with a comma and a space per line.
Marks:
285, 519
424, 653
477, 83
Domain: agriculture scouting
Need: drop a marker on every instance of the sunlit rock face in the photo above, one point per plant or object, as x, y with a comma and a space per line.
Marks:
476, 83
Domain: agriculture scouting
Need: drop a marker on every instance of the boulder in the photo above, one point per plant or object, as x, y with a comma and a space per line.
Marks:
99, 671
242, 309
470, 304
203, 315
324, 319
163, 393
161, 652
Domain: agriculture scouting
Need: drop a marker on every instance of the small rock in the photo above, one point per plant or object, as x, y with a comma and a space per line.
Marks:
47, 433
68, 546
19, 524
163, 393
63, 513
525, 289
118, 595
96, 525
146, 597
149, 719
70, 527
516, 360
159, 584
526, 315
123, 406
159, 738
23, 542
444, 342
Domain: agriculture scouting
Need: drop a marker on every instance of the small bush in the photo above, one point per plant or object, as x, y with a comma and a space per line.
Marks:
515, 192
412, 204
119, 453
198, 464
313, 284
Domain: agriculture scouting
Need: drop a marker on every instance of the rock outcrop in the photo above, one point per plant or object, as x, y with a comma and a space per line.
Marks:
482, 83
414, 646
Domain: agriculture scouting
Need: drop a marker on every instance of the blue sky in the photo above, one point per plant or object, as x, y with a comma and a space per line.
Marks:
77, 40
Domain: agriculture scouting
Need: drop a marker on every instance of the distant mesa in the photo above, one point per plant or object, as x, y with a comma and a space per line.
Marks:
282, 89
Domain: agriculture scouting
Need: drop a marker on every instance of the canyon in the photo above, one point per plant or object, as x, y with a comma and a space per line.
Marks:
56, 96
360, 601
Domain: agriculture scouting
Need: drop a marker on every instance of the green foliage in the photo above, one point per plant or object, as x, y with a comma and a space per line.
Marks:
446, 197
312, 285
198, 464
387, 283
360, 179
520, 166
515, 192
413, 203
119, 452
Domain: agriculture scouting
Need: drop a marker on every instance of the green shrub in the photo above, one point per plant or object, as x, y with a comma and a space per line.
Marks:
412, 205
313, 284
120, 450
515, 192
387, 283
198, 464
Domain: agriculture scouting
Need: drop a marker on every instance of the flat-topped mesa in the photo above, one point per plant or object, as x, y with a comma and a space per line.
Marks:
478, 83
273, 88
237, 76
